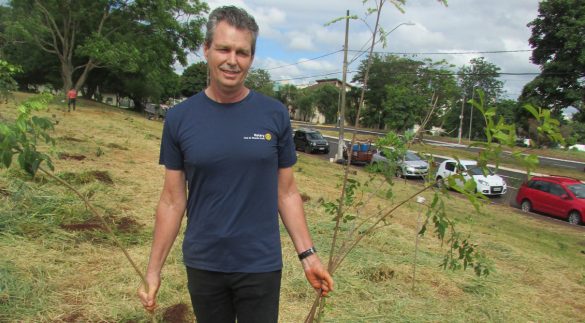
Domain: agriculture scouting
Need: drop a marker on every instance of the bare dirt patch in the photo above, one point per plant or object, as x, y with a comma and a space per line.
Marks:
102, 176
116, 146
71, 156
87, 177
122, 225
305, 197
91, 224
128, 225
73, 317
69, 138
178, 313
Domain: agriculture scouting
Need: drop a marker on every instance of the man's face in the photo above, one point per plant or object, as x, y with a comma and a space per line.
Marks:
229, 57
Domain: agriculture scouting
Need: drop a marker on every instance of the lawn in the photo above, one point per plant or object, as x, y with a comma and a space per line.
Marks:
58, 265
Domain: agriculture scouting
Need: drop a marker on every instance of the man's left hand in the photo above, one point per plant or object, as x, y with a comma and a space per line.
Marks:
317, 275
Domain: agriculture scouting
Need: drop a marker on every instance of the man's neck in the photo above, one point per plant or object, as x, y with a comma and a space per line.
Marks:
221, 96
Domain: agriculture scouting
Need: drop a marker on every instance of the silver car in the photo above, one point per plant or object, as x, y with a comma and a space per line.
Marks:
412, 165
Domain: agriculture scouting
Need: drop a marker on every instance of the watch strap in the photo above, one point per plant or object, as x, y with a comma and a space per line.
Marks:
307, 253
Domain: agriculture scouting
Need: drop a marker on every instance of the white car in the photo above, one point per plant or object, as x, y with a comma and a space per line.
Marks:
578, 147
491, 184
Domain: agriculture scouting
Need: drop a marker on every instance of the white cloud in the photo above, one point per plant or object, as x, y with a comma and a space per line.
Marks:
463, 26
298, 41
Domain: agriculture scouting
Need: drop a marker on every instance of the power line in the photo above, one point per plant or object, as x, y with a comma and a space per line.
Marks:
361, 52
450, 53
311, 76
499, 74
304, 61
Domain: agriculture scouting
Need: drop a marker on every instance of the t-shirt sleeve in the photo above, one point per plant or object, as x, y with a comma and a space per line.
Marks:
170, 151
287, 155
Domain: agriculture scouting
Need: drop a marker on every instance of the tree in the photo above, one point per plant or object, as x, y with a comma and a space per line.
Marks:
259, 80
287, 94
124, 36
305, 102
558, 42
401, 91
327, 101
576, 133
483, 75
194, 79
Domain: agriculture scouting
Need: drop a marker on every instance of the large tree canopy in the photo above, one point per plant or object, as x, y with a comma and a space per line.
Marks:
401, 90
558, 39
123, 36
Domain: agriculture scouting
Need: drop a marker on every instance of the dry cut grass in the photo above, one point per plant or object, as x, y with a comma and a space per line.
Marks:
58, 266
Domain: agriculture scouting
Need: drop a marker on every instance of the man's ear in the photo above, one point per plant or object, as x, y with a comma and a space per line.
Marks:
205, 50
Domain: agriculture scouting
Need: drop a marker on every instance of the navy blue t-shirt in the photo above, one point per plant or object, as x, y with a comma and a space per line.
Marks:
231, 154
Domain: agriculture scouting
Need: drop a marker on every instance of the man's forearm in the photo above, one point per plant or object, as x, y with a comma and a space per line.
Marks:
292, 214
166, 228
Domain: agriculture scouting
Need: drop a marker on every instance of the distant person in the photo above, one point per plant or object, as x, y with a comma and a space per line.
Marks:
237, 183
71, 96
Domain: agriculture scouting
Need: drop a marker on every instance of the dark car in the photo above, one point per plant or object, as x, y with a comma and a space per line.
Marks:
310, 141
558, 196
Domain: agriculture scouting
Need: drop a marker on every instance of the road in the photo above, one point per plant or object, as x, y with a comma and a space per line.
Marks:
513, 177
545, 161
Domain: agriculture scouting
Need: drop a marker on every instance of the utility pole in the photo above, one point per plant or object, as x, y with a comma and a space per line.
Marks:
461, 119
341, 142
471, 112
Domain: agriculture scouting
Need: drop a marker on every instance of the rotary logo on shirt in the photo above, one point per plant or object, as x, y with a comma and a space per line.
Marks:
258, 136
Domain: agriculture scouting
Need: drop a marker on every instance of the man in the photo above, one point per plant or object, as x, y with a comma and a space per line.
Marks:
71, 96
234, 148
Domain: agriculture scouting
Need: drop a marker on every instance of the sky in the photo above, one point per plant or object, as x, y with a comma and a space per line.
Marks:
295, 43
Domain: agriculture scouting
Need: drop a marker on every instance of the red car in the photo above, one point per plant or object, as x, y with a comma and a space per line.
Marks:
558, 196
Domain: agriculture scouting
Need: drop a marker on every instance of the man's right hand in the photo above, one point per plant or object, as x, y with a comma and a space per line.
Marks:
148, 293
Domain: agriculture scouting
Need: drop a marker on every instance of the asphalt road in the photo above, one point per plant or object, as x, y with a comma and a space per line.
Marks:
548, 161
513, 179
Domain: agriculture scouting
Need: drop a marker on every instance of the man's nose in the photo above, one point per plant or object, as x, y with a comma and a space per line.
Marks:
231, 60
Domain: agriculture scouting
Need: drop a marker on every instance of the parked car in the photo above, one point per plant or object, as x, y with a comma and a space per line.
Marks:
361, 153
523, 142
558, 196
411, 165
310, 141
491, 184
577, 147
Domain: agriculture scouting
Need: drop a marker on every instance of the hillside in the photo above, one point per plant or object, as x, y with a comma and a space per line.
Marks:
58, 265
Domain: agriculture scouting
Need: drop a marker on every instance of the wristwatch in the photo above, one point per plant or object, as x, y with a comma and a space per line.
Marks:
307, 253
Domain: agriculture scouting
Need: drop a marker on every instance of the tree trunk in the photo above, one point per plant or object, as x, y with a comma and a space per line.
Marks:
67, 75
81, 80
138, 106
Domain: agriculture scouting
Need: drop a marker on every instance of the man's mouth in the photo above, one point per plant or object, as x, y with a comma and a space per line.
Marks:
230, 71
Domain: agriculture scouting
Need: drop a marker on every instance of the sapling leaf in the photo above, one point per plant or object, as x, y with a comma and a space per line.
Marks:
530, 108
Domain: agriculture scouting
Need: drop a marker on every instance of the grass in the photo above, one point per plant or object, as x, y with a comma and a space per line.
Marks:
51, 272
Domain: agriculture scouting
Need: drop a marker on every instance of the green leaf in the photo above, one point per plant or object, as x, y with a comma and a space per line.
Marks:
470, 185
530, 108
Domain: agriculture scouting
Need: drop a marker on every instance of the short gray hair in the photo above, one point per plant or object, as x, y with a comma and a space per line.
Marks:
235, 17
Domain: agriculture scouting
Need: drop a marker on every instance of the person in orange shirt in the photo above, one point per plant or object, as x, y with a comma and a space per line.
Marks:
71, 96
